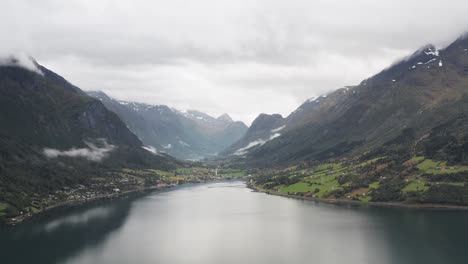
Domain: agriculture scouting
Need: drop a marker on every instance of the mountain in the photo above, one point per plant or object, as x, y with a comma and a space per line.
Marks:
402, 106
53, 135
190, 135
263, 129
400, 136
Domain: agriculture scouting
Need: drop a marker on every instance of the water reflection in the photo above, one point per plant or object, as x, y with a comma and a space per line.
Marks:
227, 223
82, 218
423, 236
49, 240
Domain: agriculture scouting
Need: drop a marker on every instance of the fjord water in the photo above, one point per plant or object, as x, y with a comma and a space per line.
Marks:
228, 223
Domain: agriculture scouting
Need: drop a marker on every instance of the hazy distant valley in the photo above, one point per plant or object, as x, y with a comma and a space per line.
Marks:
186, 135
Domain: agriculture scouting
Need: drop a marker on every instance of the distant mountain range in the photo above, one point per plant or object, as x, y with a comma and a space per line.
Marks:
419, 104
188, 135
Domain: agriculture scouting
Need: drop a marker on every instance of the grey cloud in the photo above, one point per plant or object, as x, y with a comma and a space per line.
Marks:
212, 55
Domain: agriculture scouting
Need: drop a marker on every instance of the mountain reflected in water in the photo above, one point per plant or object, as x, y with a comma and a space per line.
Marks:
63, 233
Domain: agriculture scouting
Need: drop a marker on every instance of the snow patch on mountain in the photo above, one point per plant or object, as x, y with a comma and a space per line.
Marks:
431, 60
194, 115
184, 143
317, 99
243, 151
150, 149
431, 51
258, 142
278, 129
274, 136
168, 146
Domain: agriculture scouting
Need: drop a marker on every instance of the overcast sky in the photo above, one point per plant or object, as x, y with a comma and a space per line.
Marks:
242, 57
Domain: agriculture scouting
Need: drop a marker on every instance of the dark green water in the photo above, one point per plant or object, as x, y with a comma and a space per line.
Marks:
227, 223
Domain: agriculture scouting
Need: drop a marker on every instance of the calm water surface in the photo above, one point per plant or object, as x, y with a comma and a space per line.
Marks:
227, 223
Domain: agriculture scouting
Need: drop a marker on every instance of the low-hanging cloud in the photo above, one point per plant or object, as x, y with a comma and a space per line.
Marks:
21, 60
91, 153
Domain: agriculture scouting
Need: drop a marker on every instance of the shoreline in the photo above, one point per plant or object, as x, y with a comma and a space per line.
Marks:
359, 203
11, 222
21, 218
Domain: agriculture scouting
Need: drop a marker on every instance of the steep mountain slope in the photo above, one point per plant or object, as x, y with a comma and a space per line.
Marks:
406, 101
263, 129
54, 135
182, 134
400, 136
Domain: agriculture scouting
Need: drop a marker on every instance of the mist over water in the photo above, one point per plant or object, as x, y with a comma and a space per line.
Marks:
228, 223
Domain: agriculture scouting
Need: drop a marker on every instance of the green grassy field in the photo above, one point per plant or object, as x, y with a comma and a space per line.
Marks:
327, 167
162, 173
3, 207
417, 159
416, 186
368, 162
428, 166
193, 170
232, 172
365, 199
305, 187
362, 182
174, 178
297, 187
374, 185
319, 180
